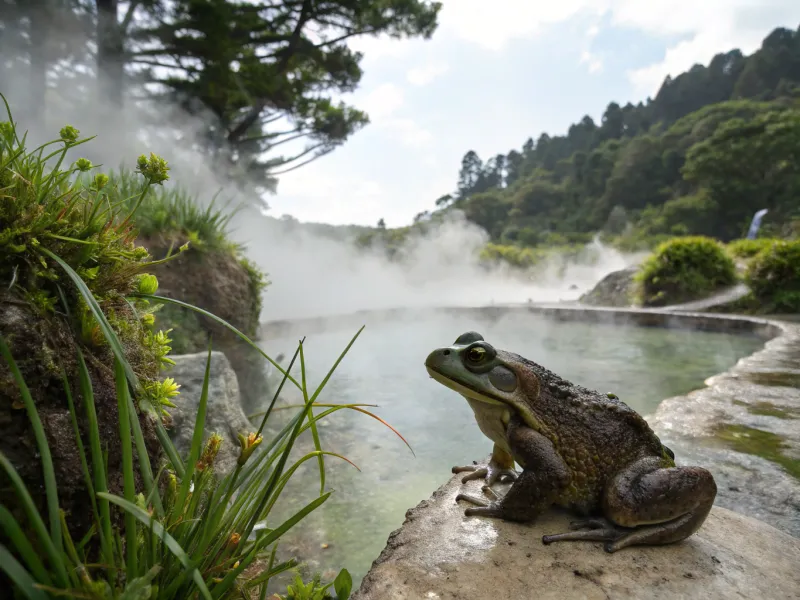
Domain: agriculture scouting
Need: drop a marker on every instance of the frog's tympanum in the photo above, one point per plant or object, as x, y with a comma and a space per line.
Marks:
579, 449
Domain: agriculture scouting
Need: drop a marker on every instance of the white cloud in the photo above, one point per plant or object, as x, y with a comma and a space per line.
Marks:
709, 27
424, 75
493, 24
593, 62
382, 102
409, 132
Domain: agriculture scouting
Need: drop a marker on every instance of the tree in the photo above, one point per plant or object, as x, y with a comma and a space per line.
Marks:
749, 165
263, 73
469, 177
381, 224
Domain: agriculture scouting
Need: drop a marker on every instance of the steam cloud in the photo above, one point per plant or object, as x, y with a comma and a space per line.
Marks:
311, 274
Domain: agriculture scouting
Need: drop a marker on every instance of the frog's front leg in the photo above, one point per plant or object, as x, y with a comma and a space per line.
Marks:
648, 503
499, 468
543, 479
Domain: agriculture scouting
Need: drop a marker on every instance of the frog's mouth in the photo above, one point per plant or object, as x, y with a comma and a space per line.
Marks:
462, 388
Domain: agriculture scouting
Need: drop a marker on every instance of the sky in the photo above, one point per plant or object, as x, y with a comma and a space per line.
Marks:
496, 73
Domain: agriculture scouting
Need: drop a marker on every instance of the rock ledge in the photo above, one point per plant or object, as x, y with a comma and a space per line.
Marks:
440, 554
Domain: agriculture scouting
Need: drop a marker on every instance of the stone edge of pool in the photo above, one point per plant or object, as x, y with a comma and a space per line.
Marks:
767, 329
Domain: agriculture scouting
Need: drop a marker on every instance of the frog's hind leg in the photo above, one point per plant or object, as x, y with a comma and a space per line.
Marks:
648, 504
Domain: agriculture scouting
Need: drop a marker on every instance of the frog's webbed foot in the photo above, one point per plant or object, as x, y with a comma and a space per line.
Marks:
595, 529
491, 472
482, 508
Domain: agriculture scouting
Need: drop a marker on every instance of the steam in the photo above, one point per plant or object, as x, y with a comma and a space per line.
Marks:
311, 274
317, 276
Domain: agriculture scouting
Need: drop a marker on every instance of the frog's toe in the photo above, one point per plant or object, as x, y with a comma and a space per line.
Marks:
501, 475
477, 473
473, 500
591, 523
599, 534
492, 510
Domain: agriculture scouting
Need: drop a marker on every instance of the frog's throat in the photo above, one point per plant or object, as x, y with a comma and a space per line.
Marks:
468, 392
463, 389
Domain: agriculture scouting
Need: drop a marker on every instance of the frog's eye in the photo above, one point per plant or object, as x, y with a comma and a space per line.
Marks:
476, 354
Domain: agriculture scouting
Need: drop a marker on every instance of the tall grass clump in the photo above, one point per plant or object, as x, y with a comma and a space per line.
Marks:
79, 349
684, 269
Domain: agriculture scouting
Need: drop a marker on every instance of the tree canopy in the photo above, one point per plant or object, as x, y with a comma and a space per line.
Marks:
717, 143
261, 73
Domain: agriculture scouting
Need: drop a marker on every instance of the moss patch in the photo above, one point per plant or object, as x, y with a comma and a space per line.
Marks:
757, 442
774, 379
768, 409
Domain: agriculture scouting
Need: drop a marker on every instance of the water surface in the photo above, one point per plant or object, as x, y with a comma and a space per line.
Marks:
385, 367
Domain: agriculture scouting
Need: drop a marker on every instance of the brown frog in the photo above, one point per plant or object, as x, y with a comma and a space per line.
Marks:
580, 449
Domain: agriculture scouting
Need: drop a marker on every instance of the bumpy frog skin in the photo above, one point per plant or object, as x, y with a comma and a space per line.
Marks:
579, 449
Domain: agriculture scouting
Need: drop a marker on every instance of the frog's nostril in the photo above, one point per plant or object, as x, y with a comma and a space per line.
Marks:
446, 352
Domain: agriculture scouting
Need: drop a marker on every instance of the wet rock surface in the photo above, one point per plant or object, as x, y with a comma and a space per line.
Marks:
615, 289
745, 428
224, 414
441, 554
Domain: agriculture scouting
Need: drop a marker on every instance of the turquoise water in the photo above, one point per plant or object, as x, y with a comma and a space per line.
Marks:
385, 367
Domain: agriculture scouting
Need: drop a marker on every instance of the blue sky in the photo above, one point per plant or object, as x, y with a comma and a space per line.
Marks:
497, 72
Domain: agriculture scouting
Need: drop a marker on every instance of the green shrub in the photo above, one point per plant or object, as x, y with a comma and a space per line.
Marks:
774, 277
684, 269
747, 249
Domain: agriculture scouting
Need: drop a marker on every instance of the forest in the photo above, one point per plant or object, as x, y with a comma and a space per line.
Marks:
716, 144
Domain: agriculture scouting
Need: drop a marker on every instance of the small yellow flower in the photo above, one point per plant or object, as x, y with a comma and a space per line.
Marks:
248, 445
209, 452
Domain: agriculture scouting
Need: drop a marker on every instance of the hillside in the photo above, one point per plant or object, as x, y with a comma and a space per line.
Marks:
716, 144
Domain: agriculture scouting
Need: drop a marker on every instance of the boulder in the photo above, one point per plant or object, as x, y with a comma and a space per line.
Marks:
224, 414
441, 554
615, 289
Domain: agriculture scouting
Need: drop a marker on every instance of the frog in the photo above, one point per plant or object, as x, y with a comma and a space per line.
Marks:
578, 449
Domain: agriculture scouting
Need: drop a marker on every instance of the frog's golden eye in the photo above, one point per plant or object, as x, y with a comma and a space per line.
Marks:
476, 354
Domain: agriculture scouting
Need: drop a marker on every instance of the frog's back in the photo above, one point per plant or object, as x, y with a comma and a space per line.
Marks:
597, 434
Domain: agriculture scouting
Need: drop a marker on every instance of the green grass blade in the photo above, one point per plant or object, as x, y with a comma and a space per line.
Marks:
310, 416
268, 539
53, 555
97, 312
222, 322
19, 576
98, 460
87, 476
128, 483
197, 436
51, 491
24, 548
278, 392
144, 458
170, 541
169, 448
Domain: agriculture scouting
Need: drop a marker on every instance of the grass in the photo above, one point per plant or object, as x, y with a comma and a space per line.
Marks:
174, 529
173, 211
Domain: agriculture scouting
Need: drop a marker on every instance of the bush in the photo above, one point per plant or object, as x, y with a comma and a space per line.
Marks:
747, 249
684, 269
774, 277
